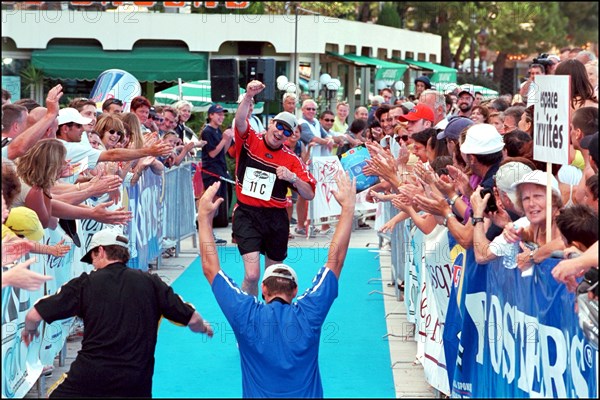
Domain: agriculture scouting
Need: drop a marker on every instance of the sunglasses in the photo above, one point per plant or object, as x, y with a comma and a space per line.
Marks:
114, 101
403, 137
310, 109
286, 131
113, 131
328, 120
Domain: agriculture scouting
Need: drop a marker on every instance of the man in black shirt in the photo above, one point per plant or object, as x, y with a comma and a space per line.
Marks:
121, 309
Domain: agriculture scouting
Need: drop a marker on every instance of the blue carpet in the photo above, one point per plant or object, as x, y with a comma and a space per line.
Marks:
354, 359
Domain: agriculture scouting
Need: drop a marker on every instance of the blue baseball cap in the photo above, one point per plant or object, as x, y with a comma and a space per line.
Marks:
216, 108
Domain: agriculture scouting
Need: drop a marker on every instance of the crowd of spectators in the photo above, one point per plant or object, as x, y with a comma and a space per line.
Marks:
441, 159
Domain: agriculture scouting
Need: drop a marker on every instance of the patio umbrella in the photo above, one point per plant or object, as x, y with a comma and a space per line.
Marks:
197, 93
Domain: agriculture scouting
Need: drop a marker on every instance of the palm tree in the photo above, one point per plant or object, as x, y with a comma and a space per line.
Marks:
33, 79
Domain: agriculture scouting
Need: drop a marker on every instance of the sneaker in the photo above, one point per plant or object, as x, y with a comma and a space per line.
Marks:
326, 232
362, 225
218, 240
47, 370
302, 232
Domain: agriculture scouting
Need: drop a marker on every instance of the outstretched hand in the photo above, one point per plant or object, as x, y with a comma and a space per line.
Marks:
209, 203
20, 276
345, 194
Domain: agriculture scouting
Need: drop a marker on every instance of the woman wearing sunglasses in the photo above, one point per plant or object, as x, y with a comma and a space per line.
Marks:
265, 170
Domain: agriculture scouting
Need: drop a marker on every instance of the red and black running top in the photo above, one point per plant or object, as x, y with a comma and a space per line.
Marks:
252, 152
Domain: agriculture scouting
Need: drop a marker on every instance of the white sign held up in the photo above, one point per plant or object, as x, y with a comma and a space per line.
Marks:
551, 119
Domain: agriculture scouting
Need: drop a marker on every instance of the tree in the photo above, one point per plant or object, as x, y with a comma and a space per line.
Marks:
582, 22
524, 28
389, 16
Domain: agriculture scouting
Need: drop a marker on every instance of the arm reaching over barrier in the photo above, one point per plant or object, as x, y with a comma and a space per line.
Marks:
346, 196
207, 206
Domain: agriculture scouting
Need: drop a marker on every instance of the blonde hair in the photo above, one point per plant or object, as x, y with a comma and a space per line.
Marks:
42, 163
178, 105
136, 139
289, 96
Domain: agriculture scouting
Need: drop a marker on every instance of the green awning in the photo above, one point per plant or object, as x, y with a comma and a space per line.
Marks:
386, 70
145, 63
441, 73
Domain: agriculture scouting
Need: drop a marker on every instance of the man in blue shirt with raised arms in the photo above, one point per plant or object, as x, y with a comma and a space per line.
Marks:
279, 339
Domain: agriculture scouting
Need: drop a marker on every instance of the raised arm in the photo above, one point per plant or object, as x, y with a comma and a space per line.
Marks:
252, 89
346, 196
34, 133
207, 206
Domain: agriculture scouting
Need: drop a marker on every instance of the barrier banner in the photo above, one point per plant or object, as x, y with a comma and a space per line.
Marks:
414, 281
61, 269
434, 303
520, 337
324, 170
20, 364
145, 230
453, 325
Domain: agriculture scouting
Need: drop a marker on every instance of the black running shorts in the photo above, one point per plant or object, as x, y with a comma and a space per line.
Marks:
261, 229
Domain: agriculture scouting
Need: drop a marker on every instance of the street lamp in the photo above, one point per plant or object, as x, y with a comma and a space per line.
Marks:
330, 87
399, 86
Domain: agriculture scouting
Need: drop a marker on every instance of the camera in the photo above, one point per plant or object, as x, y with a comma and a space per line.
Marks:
544, 61
491, 204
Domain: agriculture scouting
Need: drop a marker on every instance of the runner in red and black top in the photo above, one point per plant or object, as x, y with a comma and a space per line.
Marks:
265, 169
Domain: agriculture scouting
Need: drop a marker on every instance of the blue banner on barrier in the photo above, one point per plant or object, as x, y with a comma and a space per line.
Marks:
520, 336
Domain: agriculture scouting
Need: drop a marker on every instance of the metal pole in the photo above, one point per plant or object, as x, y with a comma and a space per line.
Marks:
294, 77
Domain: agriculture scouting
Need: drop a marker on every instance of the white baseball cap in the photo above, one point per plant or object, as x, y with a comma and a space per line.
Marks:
538, 177
270, 271
482, 139
287, 119
105, 237
67, 115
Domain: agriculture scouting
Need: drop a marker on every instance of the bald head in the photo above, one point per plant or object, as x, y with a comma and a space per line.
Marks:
37, 114
361, 113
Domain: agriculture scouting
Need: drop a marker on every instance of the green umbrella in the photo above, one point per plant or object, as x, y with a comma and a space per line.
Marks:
197, 93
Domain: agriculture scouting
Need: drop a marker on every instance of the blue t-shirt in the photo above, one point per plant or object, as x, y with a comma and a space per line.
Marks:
278, 342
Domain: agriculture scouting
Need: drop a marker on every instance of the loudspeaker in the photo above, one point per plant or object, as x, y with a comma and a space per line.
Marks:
262, 69
224, 75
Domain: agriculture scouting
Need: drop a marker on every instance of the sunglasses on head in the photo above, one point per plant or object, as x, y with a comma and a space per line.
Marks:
113, 131
286, 131
114, 101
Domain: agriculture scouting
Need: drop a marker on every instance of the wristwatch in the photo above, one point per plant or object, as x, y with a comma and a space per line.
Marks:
475, 220
294, 179
531, 255
448, 216
452, 200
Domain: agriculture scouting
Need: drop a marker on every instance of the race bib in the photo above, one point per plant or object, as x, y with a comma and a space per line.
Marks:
258, 183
